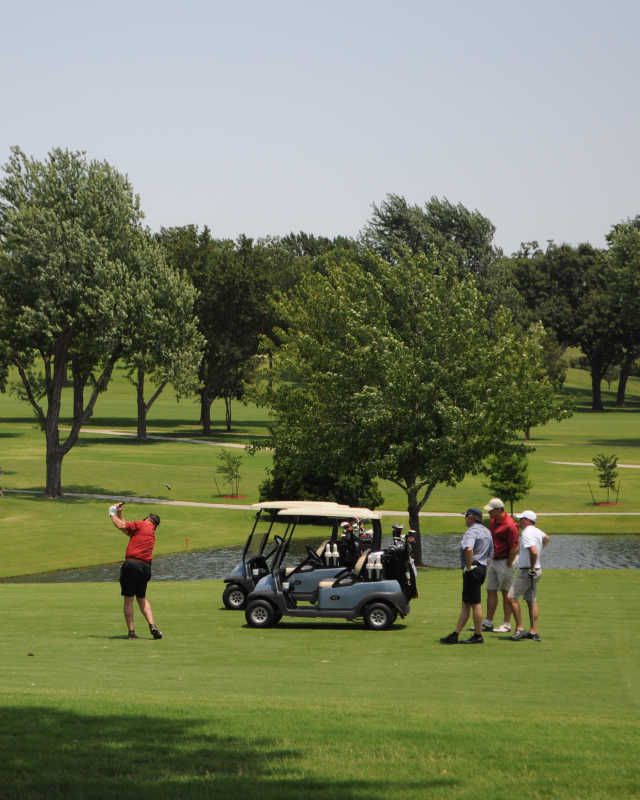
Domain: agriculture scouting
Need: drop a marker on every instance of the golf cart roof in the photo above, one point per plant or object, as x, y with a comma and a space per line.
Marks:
343, 512
277, 504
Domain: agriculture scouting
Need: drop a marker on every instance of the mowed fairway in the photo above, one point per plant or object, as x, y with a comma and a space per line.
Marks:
320, 710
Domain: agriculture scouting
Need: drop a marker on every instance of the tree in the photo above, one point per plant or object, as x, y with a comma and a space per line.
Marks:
611, 375
234, 281
565, 288
623, 282
165, 344
508, 476
229, 468
399, 373
71, 263
607, 473
232, 384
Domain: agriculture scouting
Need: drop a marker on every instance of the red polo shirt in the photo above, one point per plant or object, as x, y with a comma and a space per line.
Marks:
143, 537
504, 534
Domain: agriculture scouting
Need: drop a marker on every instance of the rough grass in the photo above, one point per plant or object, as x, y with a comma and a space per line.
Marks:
317, 709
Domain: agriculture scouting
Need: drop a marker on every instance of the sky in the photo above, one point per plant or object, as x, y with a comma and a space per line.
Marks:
262, 117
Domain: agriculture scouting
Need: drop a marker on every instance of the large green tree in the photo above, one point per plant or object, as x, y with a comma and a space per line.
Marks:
235, 281
72, 261
565, 287
623, 283
397, 369
165, 345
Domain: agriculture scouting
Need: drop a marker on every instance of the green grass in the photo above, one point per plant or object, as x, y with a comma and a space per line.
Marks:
36, 535
317, 709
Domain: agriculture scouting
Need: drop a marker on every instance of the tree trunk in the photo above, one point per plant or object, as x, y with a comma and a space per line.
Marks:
527, 434
414, 525
227, 412
206, 415
624, 377
142, 408
596, 388
54, 471
270, 369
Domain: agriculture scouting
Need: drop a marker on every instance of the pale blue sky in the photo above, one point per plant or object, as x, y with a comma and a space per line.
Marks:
262, 117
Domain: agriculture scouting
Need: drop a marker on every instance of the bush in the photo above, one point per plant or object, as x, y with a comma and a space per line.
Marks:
289, 480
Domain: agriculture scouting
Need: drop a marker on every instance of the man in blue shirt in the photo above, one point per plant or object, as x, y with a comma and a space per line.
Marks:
476, 550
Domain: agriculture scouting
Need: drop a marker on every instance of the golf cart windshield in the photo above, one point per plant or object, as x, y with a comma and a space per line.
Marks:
255, 545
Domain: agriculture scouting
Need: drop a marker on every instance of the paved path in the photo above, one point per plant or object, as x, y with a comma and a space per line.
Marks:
107, 432
591, 464
386, 513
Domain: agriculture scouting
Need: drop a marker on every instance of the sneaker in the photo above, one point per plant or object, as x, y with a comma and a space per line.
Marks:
534, 636
504, 628
155, 632
486, 626
518, 635
132, 635
475, 639
452, 638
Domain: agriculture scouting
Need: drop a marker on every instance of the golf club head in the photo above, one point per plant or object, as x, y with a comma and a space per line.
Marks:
167, 485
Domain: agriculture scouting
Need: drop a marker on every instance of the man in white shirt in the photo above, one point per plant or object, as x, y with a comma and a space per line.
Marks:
532, 542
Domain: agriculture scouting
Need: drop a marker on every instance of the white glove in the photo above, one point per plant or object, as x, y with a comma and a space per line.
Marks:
112, 511
468, 569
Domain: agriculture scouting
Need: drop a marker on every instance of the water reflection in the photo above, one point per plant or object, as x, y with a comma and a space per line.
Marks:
440, 551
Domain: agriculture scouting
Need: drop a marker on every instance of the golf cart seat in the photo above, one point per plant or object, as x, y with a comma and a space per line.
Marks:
320, 550
328, 584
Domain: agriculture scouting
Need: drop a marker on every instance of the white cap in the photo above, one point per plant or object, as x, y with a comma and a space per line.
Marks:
494, 504
531, 515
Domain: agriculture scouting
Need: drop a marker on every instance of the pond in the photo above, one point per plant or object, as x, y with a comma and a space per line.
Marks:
440, 551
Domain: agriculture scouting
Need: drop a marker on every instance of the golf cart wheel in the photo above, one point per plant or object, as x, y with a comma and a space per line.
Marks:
260, 614
378, 617
234, 597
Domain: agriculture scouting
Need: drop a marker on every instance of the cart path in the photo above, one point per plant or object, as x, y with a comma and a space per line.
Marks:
107, 432
591, 464
384, 513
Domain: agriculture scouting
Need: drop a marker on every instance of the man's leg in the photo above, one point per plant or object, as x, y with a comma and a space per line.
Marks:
517, 612
506, 606
477, 618
128, 612
145, 607
464, 616
492, 604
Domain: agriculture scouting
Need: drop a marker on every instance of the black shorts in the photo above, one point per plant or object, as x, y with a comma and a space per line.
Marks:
134, 578
471, 583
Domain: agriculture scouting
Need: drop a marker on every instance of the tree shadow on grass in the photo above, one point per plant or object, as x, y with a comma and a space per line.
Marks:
50, 753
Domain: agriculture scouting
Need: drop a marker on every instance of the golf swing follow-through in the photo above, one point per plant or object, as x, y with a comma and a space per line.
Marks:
135, 572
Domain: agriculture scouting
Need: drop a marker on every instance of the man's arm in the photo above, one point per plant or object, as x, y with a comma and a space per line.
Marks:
512, 557
468, 557
533, 555
546, 540
118, 520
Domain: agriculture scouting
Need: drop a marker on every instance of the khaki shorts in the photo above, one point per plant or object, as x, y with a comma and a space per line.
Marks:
522, 585
500, 576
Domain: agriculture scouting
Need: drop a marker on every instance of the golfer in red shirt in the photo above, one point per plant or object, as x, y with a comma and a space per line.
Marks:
501, 572
136, 570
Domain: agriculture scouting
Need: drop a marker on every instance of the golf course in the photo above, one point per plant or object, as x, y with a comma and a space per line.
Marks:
320, 708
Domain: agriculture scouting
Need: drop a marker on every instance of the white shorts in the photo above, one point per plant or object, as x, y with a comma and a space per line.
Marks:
522, 585
500, 576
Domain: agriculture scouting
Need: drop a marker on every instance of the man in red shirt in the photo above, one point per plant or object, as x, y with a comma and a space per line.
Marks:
136, 570
502, 569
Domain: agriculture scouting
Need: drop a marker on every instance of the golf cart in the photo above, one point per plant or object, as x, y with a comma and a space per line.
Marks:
377, 588
254, 565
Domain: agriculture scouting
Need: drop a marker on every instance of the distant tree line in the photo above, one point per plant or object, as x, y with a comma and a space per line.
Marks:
376, 354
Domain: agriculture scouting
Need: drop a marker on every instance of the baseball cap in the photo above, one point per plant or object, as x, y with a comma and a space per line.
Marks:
492, 505
531, 515
475, 512
155, 519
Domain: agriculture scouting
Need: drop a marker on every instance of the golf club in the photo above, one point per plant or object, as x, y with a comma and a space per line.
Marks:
144, 494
